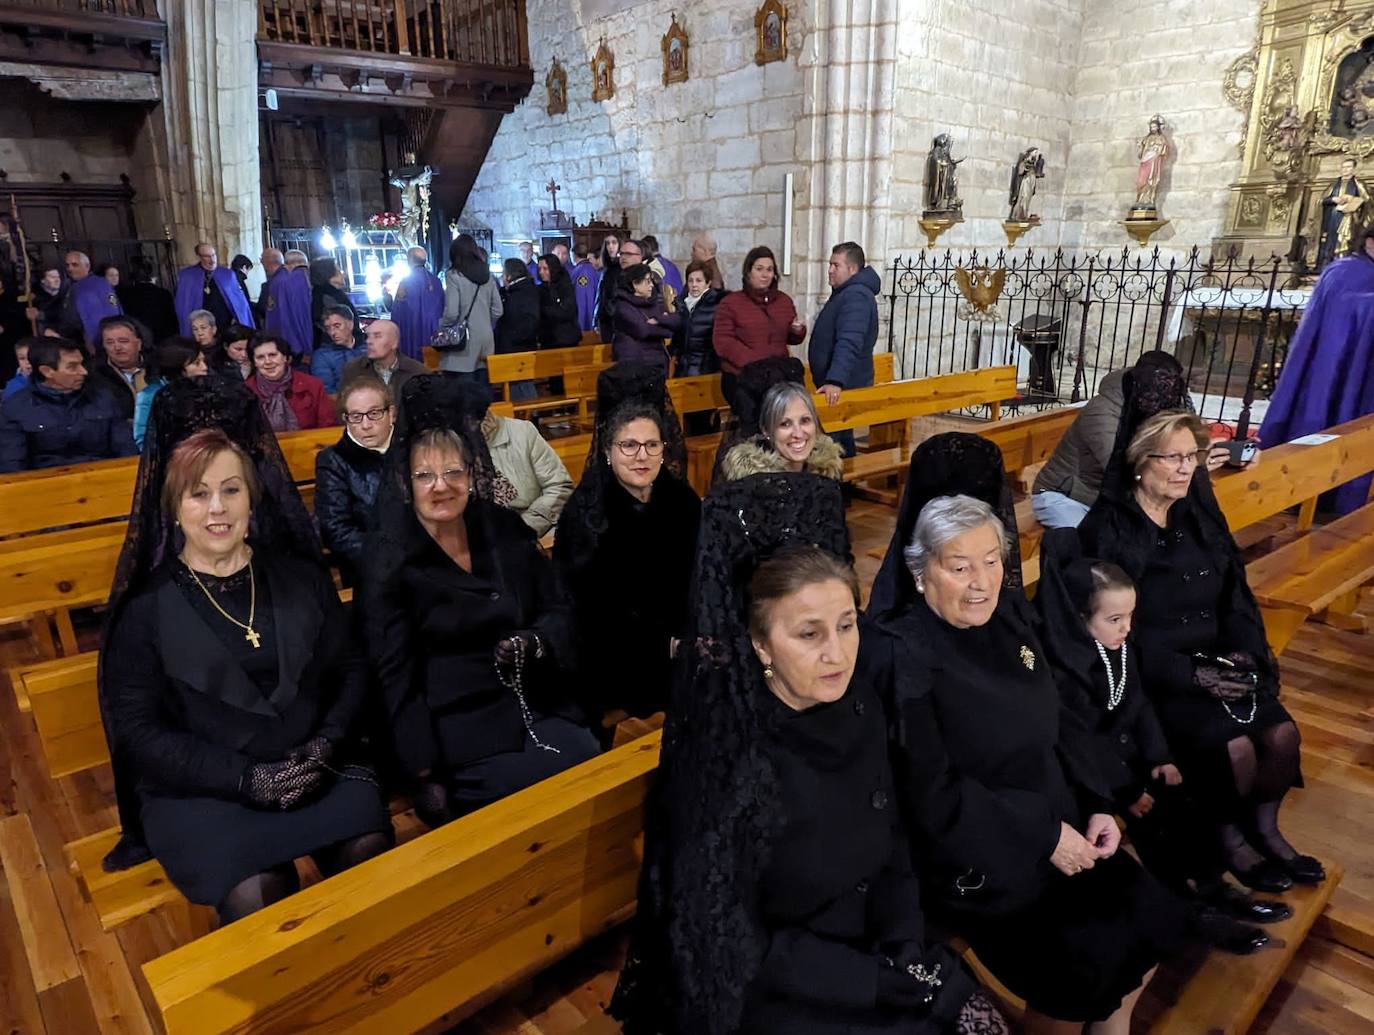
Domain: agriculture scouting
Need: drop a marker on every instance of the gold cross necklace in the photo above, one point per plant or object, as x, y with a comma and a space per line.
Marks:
249, 633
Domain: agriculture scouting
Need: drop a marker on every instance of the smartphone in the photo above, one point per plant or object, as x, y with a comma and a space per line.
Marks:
1239, 452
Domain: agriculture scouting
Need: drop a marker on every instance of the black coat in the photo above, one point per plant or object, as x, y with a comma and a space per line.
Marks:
346, 479
432, 629
518, 328
839, 896
185, 716
40, 427
558, 326
693, 343
630, 596
152, 305
105, 378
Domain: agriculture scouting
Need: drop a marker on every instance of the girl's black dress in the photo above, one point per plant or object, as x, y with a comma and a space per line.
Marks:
193, 704
990, 765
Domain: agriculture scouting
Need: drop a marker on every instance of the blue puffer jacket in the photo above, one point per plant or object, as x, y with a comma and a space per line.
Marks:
841, 348
42, 427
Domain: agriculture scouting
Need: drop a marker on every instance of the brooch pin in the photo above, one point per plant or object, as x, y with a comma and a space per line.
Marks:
1028, 657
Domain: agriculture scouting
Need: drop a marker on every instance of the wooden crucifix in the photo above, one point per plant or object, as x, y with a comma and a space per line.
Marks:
552, 187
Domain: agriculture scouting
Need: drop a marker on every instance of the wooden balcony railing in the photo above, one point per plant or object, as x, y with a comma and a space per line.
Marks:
127, 8
474, 32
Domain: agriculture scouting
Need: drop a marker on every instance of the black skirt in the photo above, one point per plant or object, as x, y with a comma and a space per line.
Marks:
1086, 943
208, 845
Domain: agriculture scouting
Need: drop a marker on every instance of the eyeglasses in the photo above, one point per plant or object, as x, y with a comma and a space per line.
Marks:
353, 417
1180, 460
428, 479
629, 447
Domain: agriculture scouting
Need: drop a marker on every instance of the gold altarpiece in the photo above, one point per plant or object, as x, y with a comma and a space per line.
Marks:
1307, 88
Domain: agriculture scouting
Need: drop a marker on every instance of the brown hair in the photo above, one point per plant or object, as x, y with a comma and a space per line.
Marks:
193, 454
790, 572
357, 383
1150, 436
1106, 576
704, 268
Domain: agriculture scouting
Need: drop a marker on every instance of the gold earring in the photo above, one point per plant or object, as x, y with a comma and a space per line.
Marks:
767, 671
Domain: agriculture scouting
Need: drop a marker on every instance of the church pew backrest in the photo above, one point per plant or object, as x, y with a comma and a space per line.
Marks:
432, 926
901, 400
1029, 439
523, 366
702, 391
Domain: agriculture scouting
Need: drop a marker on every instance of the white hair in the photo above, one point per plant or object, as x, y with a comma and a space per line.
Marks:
945, 518
202, 314
295, 257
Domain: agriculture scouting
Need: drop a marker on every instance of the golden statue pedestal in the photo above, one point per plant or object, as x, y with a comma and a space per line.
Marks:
934, 226
1142, 224
1015, 229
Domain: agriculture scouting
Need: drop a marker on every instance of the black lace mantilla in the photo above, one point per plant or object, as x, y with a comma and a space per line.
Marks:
713, 815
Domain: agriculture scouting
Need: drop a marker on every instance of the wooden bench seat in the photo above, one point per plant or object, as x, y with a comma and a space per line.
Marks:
1313, 573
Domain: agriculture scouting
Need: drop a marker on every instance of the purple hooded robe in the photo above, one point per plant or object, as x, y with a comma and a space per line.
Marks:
288, 310
417, 307
191, 296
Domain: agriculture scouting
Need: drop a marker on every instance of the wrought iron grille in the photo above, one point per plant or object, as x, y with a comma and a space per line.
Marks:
1066, 319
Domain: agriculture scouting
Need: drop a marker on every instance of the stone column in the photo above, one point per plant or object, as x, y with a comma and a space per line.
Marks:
211, 168
849, 64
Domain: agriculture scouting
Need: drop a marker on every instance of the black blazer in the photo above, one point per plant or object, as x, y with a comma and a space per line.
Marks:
432, 628
183, 714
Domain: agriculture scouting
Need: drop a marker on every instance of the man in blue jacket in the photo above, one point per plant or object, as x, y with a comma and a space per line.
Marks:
841, 349
60, 418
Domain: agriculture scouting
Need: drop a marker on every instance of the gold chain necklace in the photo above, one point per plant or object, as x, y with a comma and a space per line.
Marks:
249, 633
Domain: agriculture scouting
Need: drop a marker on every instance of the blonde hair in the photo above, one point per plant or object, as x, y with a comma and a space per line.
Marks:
1154, 431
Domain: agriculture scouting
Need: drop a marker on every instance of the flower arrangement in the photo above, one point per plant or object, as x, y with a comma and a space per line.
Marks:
384, 221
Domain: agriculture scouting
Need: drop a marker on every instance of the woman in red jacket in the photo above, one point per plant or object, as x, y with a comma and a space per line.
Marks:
755, 323
292, 399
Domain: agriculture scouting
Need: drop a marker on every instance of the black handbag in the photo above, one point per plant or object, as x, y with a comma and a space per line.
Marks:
454, 338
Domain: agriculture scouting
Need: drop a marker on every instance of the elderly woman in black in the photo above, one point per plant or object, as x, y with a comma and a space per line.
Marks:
1010, 818
229, 682
778, 894
469, 631
626, 542
348, 473
1204, 658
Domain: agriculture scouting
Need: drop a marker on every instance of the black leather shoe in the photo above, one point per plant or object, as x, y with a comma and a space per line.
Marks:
1240, 905
1265, 876
1222, 932
1302, 868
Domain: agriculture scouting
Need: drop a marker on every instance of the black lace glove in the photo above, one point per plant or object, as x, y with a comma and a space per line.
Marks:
317, 750
281, 785
908, 983
979, 1016
505, 649
432, 804
1225, 684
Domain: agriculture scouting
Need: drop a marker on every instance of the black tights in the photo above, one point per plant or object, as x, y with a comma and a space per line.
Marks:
275, 884
1263, 770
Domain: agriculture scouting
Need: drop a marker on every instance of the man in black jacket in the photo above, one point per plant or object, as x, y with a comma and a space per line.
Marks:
60, 419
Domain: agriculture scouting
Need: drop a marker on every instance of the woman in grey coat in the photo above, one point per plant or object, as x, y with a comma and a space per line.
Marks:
470, 293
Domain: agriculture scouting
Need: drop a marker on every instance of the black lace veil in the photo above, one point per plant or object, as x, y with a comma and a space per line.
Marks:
697, 943
281, 523
584, 517
951, 464
1062, 598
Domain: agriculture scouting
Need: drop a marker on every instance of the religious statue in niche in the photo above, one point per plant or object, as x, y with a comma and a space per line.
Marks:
556, 82
770, 27
413, 182
603, 73
674, 54
1143, 220
1026, 172
1352, 94
1346, 207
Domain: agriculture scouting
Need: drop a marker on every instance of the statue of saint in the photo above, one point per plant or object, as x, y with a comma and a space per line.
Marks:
413, 183
1154, 148
1346, 208
1029, 167
942, 180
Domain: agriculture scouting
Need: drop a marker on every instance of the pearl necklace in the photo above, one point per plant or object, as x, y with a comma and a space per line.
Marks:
1115, 691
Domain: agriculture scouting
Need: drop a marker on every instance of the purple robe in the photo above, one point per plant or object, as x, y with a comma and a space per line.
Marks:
288, 310
533, 267
417, 309
672, 276
190, 296
92, 299
1328, 377
586, 280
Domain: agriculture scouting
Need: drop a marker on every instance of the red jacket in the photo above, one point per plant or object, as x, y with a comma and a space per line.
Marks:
307, 399
748, 329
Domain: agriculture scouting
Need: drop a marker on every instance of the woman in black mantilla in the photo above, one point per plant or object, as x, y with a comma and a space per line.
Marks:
229, 681
468, 628
1203, 654
777, 894
626, 541
1010, 818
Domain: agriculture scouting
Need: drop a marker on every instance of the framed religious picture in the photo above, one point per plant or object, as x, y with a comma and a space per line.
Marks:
675, 54
556, 82
770, 26
603, 73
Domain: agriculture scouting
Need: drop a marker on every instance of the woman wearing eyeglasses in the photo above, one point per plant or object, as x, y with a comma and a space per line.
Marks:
1203, 656
626, 542
469, 632
348, 473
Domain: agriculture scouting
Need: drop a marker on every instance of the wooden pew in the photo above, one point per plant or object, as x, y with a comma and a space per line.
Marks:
1319, 571
702, 391
431, 927
540, 364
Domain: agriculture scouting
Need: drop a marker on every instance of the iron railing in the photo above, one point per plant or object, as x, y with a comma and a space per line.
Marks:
478, 32
1067, 319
